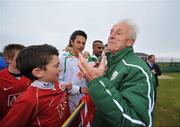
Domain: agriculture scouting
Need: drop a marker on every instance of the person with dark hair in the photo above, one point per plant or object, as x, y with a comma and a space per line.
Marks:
97, 51
124, 94
12, 83
44, 103
70, 71
74, 35
155, 70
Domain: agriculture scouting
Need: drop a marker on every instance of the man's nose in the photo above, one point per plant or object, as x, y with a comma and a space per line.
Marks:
112, 35
81, 45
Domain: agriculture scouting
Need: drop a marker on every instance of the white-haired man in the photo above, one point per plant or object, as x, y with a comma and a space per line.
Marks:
124, 95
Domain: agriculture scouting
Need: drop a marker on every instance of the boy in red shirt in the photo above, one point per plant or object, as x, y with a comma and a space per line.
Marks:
12, 83
43, 103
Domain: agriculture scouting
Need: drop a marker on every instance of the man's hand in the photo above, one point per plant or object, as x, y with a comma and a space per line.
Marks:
154, 72
90, 71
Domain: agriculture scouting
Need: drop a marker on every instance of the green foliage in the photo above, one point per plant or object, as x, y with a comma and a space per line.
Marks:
169, 66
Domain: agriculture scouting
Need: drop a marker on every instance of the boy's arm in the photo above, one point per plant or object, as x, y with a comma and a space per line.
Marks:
22, 111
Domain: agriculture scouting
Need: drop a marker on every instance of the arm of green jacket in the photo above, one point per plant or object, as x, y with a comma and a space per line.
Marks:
126, 108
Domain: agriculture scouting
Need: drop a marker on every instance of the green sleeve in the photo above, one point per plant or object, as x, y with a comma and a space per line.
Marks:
92, 59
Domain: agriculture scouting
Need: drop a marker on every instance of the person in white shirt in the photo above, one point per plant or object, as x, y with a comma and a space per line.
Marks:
70, 71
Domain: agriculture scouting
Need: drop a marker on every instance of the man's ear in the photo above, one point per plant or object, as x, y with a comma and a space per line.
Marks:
130, 42
37, 72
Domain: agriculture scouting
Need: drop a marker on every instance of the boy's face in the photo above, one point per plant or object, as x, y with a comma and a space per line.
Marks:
78, 44
51, 73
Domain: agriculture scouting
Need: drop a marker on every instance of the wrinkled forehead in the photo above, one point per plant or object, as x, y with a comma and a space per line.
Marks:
121, 26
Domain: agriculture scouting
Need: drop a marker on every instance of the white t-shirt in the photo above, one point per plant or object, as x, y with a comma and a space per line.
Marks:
71, 73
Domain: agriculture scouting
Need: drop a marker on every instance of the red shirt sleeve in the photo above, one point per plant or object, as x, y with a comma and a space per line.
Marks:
10, 89
21, 113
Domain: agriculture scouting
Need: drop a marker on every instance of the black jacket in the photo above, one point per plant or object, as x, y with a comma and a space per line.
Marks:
157, 70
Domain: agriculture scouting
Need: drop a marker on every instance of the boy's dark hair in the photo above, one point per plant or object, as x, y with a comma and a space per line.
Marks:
76, 33
94, 42
35, 56
10, 50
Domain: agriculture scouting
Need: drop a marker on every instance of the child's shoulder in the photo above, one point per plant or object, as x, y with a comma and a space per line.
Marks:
64, 54
30, 95
3, 71
5, 76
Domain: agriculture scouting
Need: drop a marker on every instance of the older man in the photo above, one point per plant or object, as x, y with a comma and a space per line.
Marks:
124, 95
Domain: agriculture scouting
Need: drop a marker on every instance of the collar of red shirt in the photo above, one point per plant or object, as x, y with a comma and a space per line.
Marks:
43, 85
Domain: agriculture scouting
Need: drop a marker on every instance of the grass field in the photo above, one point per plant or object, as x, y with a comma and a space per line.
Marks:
167, 109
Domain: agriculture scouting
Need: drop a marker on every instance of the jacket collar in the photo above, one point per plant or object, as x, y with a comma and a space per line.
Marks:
43, 85
114, 58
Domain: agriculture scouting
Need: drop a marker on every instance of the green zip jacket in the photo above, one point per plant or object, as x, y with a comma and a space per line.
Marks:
124, 96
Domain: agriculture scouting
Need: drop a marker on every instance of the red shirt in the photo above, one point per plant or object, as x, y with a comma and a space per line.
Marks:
10, 89
38, 107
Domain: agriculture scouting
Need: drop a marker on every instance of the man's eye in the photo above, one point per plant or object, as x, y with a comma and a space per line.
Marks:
111, 31
119, 33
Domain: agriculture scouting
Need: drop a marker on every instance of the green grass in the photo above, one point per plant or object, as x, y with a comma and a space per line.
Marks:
167, 109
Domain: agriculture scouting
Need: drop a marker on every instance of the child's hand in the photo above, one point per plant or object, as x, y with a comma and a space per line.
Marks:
69, 86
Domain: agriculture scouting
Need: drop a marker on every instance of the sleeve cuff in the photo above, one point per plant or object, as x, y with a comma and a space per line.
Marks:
94, 81
74, 90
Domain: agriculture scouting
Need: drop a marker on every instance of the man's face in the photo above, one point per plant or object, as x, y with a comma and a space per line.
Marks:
153, 59
98, 48
78, 44
119, 38
51, 73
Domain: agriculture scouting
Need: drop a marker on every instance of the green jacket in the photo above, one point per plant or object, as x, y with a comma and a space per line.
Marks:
93, 58
124, 96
